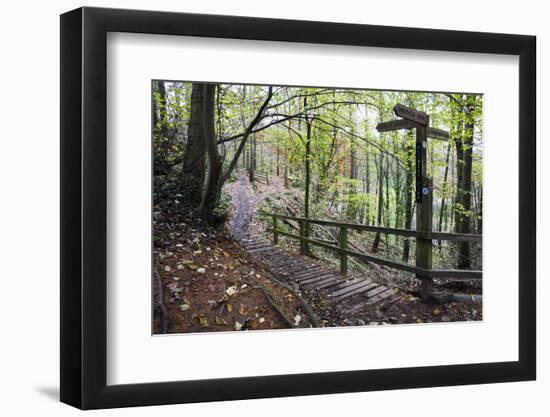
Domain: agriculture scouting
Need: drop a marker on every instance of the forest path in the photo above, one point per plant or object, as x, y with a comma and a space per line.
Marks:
245, 201
329, 292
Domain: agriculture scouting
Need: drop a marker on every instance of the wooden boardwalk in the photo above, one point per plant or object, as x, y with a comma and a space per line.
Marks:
352, 291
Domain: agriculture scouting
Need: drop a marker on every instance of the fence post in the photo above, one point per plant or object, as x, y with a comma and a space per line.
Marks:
303, 243
275, 235
343, 240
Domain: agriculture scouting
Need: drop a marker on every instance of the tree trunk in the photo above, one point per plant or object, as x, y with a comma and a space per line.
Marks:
380, 201
277, 166
252, 159
195, 151
464, 261
212, 185
367, 185
408, 201
445, 176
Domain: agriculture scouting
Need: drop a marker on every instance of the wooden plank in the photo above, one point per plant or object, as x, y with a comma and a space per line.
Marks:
388, 297
375, 291
389, 230
328, 283
455, 237
348, 288
439, 134
317, 278
456, 273
395, 125
292, 264
410, 114
357, 291
325, 282
308, 273
258, 249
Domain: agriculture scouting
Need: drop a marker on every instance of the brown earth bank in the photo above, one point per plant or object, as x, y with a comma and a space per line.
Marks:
207, 282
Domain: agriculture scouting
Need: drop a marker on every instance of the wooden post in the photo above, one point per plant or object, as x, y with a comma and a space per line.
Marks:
424, 190
424, 186
343, 241
275, 235
303, 243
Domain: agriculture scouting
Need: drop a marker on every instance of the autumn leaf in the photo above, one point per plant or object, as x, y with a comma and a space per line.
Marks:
220, 321
229, 307
231, 290
203, 321
174, 287
185, 307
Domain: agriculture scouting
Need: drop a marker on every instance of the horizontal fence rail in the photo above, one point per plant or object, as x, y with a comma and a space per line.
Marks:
388, 230
341, 248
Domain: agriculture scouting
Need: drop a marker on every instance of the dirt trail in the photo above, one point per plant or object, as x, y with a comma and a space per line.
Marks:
244, 204
245, 201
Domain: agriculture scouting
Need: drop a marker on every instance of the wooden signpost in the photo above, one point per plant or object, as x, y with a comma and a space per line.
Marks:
405, 112
414, 119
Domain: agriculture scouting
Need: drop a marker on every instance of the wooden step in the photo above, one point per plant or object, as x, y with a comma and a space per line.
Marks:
316, 277
375, 291
326, 282
309, 271
355, 292
381, 296
349, 287
329, 284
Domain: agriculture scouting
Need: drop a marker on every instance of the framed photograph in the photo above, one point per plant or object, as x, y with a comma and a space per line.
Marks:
257, 208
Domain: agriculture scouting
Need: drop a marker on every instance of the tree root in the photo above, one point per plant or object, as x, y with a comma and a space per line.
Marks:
275, 307
312, 317
160, 303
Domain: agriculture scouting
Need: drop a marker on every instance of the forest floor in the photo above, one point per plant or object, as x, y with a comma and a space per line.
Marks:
208, 283
205, 281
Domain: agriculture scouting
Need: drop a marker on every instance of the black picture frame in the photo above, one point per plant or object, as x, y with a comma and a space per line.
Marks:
84, 207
